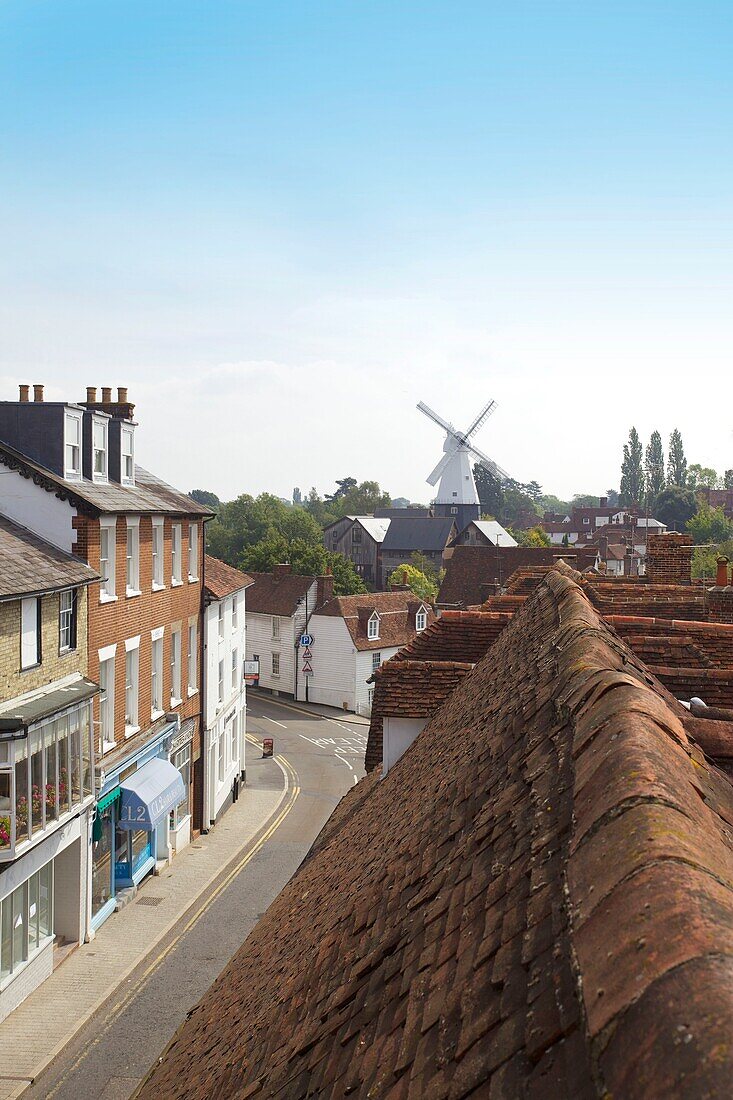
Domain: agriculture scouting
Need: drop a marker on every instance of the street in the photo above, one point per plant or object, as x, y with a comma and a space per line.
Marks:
112, 1052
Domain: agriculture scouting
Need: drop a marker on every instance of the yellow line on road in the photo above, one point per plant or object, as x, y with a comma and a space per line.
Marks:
294, 791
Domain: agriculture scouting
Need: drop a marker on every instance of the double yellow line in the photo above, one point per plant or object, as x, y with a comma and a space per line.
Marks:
290, 798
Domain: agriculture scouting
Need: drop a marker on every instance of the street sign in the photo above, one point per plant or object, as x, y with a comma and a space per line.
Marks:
306, 640
307, 669
307, 655
251, 668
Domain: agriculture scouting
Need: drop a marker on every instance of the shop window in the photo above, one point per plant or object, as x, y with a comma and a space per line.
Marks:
26, 921
102, 864
67, 620
182, 760
30, 633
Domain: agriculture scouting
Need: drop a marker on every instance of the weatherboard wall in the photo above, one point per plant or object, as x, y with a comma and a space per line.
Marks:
333, 664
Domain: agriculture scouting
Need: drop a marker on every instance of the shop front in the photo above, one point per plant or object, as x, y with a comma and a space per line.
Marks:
130, 832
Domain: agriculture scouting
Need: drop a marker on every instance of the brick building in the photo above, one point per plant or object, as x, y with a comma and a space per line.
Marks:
69, 470
46, 759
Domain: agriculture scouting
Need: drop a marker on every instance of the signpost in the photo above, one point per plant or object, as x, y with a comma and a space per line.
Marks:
252, 673
306, 640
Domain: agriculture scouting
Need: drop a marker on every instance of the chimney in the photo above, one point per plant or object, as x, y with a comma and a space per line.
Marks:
603, 502
721, 579
282, 569
91, 395
122, 395
38, 393
106, 395
324, 589
24, 393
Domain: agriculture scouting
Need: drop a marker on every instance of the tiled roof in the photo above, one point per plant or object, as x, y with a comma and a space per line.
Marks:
396, 610
277, 594
223, 579
429, 534
148, 495
536, 901
471, 569
29, 565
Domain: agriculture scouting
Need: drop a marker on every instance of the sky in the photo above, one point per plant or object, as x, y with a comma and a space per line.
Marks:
282, 224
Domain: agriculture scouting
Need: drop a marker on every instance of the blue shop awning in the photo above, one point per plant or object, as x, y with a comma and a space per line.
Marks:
149, 794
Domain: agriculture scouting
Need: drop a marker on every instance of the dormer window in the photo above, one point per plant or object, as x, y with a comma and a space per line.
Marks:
99, 449
127, 469
421, 620
72, 446
373, 627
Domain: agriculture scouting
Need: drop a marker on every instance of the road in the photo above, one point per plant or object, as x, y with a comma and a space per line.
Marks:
111, 1054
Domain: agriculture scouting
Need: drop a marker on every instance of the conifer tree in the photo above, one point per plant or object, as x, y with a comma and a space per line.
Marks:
654, 465
632, 471
676, 461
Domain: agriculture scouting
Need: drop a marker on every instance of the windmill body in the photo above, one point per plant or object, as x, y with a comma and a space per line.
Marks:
457, 495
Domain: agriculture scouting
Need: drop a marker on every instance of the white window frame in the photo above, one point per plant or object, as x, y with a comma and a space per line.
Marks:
193, 644
31, 654
235, 669
132, 557
176, 554
235, 613
107, 588
132, 686
373, 627
176, 697
157, 553
107, 700
276, 628
221, 620
421, 620
72, 470
98, 423
220, 685
127, 435
67, 620
193, 553
376, 659
156, 672
275, 665
234, 740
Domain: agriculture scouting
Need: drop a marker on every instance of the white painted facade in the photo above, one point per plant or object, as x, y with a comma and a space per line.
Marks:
397, 736
271, 636
225, 702
41, 512
340, 670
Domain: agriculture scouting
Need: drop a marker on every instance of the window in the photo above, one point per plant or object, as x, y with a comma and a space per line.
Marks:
176, 554
454, 511
67, 620
192, 658
373, 627
234, 741
30, 632
175, 667
157, 552
128, 457
235, 670
421, 619
220, 695
107, 698
222, 750
132, 671
275, 628
193, 552
182, 761
133, 556
72, 447
356, 534
26, 920
221, 620
275, 664
585, 519
99, 449
376, 661
235, 613
156, 674
107, 533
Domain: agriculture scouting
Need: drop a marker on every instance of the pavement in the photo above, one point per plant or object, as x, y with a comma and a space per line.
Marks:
95, 1027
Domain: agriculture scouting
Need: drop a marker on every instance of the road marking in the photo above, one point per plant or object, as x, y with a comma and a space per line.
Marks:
356, 779
290, 774
267, 717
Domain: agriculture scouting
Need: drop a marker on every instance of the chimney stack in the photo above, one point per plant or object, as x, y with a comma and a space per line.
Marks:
721, 579
38, 393
122, 395
282, 569
106, 395
24, 393
603, 502
91, 395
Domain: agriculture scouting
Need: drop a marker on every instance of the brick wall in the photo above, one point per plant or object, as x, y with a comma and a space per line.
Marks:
669, 558
719, 603
126, 617
54, 665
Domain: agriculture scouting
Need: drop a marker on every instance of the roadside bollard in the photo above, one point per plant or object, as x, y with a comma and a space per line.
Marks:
267, 748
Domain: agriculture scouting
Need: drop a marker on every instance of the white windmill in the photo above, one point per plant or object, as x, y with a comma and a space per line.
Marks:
457, 495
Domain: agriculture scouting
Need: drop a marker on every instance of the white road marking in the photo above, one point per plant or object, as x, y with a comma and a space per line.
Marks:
356, 779
280, 724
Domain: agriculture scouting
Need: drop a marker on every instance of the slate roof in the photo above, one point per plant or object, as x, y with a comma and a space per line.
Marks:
222, 579
429, 534
396, 610
29, 565
471, 569
149, 495
277, 594
536, 901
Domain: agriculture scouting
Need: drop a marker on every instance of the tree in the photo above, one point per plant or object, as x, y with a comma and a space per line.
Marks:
612, 497
550, 503
533, 536
728, 479
584, 500
675, 506
207, 499
632, 472
423, 587
654, 465
297, 496
490, 491
306, 559
710, 525
702, 477
676, 461
705, 559
423, 563
343, 487
363, 499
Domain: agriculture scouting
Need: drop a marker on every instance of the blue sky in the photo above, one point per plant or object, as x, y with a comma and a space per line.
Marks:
283, 224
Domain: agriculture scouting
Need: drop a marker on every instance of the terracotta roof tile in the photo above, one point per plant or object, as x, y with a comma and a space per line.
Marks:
276, 593
542, 903
397, 612
223, 579
472, 572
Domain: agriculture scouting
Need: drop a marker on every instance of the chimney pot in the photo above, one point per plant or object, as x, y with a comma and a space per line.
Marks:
24, 392
122, 395
91, 395
106, 395
37, 392
721, 579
